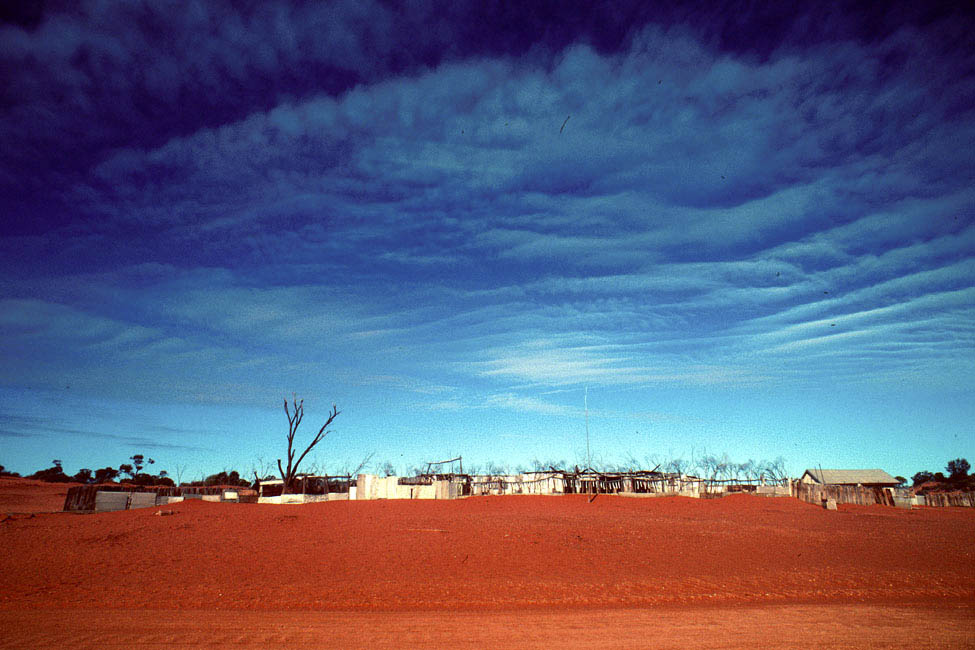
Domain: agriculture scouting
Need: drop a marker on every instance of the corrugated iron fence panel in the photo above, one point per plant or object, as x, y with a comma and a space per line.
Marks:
103, 498
142, 500
110, 501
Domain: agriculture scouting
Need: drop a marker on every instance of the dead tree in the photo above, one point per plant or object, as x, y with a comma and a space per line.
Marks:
294, 419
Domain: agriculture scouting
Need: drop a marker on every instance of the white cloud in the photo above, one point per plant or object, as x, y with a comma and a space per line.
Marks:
689, 216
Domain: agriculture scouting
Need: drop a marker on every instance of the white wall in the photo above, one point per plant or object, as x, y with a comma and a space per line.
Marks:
370, 487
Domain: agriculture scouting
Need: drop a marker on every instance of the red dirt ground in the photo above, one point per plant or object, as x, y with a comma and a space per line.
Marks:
25, 495
764, 572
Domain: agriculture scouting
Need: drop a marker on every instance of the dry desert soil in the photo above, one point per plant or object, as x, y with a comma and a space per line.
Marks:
518, 571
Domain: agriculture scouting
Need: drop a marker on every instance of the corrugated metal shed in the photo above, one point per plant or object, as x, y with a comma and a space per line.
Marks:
849, 477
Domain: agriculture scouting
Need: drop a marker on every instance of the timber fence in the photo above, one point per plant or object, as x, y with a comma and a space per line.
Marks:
947, 499
868, 496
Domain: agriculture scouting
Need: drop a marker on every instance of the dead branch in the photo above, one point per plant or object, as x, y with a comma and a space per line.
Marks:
295, 415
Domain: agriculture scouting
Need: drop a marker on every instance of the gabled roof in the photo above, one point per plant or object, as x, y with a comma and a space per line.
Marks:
851, 476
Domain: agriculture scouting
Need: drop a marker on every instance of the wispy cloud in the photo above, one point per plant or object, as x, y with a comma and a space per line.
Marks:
469, 218
22, 426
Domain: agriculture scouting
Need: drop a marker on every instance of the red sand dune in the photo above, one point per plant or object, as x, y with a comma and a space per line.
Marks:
26, 495
490, 556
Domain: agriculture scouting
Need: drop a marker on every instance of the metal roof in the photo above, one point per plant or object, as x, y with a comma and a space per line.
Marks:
851, 476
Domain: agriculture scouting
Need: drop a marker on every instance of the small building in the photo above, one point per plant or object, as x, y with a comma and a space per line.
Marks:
874, 478
312, 489
425, 486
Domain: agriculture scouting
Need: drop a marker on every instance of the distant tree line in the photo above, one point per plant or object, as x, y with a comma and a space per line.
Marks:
131, 472
957, 477
222, 478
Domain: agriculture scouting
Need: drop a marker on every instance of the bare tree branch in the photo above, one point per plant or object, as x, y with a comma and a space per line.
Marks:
295, 414
365, 461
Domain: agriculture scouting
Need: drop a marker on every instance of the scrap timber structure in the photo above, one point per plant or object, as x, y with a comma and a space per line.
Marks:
312, 488
440, 481
110, 496
434, 483
437, 481
633, 483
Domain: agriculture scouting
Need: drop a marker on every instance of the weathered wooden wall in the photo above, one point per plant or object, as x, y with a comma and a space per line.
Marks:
946, 499
854, 494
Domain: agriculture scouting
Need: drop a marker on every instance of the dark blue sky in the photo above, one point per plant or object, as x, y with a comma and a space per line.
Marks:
746, 229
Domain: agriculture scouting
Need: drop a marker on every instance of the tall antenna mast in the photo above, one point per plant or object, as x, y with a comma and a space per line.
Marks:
588, 455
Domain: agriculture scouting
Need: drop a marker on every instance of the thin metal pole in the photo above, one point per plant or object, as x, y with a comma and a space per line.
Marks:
588, 455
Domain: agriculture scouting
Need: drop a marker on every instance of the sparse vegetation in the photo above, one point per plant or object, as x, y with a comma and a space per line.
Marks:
53, 474
922, 477
496, 469
223, 478
721, 468
84, 475
139, 461
56, 474
105, 474
543, 466
958, 478
958, 470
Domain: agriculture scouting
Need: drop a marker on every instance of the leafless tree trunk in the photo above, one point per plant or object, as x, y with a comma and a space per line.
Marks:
295, 415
